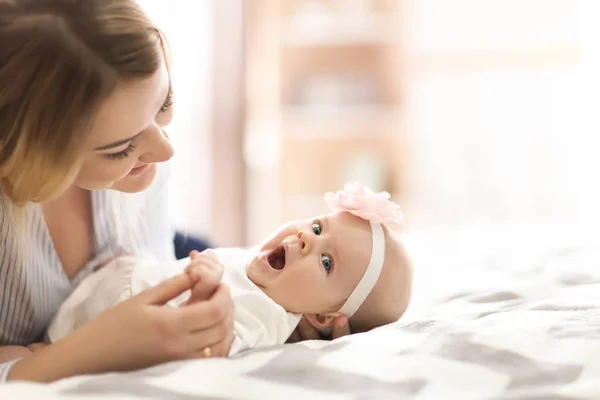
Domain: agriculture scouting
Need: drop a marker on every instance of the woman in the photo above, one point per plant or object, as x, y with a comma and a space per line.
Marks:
84, 97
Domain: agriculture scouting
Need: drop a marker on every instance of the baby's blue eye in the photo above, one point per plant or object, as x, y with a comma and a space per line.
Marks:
327, 262
317, 228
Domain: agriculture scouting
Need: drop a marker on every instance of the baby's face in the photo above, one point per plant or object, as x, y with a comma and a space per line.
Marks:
312, 266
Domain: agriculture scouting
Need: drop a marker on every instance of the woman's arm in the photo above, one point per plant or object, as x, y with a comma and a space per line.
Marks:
72, 356
114, 341
11, 353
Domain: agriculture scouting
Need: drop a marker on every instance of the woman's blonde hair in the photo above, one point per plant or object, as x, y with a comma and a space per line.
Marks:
58, 60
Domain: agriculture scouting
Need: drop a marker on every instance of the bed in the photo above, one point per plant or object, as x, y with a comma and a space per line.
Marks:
499, 312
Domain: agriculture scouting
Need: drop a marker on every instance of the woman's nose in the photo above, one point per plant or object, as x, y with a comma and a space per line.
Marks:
304, 243
159, 147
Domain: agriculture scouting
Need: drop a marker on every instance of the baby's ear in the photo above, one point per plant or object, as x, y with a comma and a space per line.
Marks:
321, 321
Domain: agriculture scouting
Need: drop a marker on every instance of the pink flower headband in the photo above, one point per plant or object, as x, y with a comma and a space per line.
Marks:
366, 204
377, 209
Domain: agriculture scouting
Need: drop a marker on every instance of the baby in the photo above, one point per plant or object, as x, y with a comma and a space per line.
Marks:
344, 263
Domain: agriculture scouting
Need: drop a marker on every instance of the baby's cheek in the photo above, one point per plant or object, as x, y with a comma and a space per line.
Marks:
311, 284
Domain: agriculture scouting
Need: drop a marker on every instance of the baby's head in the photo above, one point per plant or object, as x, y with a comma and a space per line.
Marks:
344, 263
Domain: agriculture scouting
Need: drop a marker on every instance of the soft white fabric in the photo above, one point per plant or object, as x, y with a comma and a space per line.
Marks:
258, 321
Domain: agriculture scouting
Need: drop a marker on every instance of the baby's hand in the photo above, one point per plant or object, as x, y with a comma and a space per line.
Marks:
206, 271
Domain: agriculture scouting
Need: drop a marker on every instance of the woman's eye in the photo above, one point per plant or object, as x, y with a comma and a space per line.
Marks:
317, 228
168, 103
327, 262
121, 154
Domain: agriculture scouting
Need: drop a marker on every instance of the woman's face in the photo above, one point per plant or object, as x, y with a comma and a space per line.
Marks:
127, 138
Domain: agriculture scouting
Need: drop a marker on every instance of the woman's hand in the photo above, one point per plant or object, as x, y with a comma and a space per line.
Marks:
305, 331
137, 333
158, 334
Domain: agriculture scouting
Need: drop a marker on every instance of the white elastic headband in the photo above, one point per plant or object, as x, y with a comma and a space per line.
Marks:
368, 280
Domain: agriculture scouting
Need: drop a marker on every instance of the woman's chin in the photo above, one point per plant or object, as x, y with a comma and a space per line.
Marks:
130, 183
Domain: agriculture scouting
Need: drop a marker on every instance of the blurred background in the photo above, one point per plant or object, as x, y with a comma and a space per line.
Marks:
464, 110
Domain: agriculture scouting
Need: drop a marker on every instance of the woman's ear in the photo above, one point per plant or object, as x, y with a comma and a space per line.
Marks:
321, 321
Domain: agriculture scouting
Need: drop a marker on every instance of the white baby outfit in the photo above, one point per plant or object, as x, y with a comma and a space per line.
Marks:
258, 320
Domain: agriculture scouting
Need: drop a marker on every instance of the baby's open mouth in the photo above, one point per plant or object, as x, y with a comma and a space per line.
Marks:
276, 258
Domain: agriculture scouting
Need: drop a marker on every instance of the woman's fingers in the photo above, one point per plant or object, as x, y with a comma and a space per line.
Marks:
221, 349
211, 323
217, 349
214, 337
213, 351
173, 287
205, 314
165, 290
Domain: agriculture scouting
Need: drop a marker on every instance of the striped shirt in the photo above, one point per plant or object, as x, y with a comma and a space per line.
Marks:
33, 283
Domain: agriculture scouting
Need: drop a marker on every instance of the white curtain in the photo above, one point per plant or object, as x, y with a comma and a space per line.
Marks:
496, 97
188, 25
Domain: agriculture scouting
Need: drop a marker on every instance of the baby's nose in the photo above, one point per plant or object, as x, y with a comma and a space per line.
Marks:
303, 243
